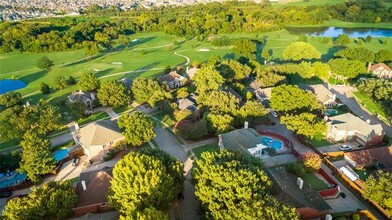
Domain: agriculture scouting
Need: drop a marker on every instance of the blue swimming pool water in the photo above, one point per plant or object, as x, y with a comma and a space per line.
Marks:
330, 112
19, 177
272, 143
60, 154
7, 85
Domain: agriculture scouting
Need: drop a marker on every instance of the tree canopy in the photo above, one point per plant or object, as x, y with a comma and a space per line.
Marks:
221, 102
143, 180
292, 99
342, 40
383, 56
36, 156
137, 128
148, 90
113, 93
359, 53
54, 200
10, 99
233, 186
379, 189
89, 82
207, 79
44, 63
252, 112
301, 51
305, 124
347, 68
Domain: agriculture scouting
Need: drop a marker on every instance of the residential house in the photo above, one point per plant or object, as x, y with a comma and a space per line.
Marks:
308, 202
264, 95
191, 72
188, 102
92, 190
381, 70
87, 98
255, 84
97, 137
324, 96
234, 93
379, 156
348, 127
173, 80
245, 140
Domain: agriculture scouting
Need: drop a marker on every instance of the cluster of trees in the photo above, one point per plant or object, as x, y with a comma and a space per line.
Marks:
9, 161
379, 189
380, 90
300, 109
244, 196
145, 184
137, 127
310, 163
365, 55
54, 200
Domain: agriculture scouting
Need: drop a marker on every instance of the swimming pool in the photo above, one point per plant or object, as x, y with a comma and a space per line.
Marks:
272, 142
19, 177
60, 154
330, 112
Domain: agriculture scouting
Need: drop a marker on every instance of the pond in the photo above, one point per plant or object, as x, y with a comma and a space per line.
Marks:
335, 31
7, 85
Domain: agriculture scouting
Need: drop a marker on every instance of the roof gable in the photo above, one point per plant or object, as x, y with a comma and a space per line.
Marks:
99, 133
350, 122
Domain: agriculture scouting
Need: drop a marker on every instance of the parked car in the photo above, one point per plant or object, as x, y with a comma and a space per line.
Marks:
274, 114
5, 194
345, 147
75, 161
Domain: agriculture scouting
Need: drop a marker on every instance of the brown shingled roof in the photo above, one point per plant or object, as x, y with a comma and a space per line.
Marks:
378, 65
369, 157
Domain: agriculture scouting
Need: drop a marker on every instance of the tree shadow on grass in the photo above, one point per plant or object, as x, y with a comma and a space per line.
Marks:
330, 53
139, 71
33, 77
87, 59
140, 41
104, 72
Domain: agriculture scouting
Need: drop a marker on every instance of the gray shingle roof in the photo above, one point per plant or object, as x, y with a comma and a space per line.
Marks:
350, 122
240, 139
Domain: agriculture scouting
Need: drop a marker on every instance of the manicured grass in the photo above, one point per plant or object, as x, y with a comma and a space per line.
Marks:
346, 24
65, 145
314, 2
8, 144
74, 180
367, 102
208, 147
122, 109
319, 141
363, 174
164, 118
94, 117
314, 182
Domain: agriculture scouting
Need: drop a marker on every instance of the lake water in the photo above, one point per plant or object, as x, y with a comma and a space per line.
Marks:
7, 85
335, 31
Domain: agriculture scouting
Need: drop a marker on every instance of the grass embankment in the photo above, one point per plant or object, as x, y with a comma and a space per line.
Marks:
208, 147
367, 102
314, 182
94, 117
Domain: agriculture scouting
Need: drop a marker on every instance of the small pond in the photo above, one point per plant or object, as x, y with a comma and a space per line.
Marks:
7, 85
336, 31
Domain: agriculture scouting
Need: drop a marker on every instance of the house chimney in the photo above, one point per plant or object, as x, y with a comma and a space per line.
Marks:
246, 125
84, 185
368, 121
76, 126
334, 97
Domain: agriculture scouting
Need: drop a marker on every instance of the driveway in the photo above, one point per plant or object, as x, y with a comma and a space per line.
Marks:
279, 160
344, 94
335, 147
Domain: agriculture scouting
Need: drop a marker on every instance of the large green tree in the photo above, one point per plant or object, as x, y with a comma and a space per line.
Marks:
252, 112
89, 82
113, 94
347, 68
148, 90
54, 200
208, 79
245, 48
44, 63
233, 186
221, 102
137, 128
36, 156
234, 70
10, 99
219, 123
383, 56
379, 189
342, 40
292, 99
359, 53
305, 124
301, 51
145, 180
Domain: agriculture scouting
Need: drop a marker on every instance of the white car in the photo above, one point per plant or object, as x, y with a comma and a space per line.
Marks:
345, 148
274, 114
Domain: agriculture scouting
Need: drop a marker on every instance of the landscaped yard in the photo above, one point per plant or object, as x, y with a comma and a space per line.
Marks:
319, 141
367, 102
8, 144
363, 174
205, 148
314, 182
122, 109
164, 118
94, 117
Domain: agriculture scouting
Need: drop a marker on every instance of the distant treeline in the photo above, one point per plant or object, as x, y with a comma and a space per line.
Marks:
98, 28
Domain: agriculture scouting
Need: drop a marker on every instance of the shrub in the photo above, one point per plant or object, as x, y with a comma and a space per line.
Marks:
296, 168
356, 217
45, 88
110, 155
311, 161
71, 81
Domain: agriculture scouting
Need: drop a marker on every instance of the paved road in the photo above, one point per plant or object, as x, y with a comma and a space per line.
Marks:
343, 93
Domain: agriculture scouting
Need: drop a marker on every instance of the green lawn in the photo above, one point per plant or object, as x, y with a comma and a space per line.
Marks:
367, 102
204, 148
8, 144
65, 145
312, 2
164, 118
319, 141
363, 174
314, 182
94, 117
122, 109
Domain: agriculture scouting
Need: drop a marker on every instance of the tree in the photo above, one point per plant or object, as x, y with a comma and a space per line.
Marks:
147, 214
54, 200
311, 161
321, 70
305, 124
78, 109
190, 130
300, 51
232, 186
10, 99
265, 77
234, 70
36, 156
137, 128
379, 189
368, 39
182, 93
342, 40
112, 93
148, 90
265, 54
253, 112
221, 102
292, 99
153, 183
71, 81
44, 63
383, 56
60, 82
207, 79
218, 123
347, 68
359, 53
89, 82
245, 48
44, 88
